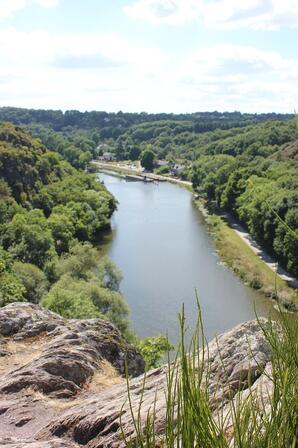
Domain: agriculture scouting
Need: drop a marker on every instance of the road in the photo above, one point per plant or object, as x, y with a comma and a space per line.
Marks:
273, 265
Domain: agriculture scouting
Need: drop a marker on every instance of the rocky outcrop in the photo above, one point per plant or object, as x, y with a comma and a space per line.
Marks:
62, 380
48, 363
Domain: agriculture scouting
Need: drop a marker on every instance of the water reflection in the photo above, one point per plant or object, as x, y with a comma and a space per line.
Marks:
160, 243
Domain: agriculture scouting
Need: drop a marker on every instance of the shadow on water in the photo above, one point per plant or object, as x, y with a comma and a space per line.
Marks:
162, 246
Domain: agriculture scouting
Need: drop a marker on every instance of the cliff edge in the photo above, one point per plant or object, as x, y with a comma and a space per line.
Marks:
63, 381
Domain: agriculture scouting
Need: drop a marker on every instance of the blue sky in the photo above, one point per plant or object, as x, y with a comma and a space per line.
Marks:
150, 55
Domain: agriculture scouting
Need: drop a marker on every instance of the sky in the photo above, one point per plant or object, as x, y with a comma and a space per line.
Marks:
177, 56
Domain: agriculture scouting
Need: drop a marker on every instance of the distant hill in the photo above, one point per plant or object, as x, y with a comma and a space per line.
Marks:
202, 121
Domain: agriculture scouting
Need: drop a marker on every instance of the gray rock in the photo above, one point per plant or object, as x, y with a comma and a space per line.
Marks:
46, 359
68, 390
13, 443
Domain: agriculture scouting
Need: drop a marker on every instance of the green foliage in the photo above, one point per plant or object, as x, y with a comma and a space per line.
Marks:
11, 288
286, 239
63, 300
83, 261
25, 164
128, 134
253, 185
59, 204
147, 159
153, 350
162, 170
87, 286
62, 228
28, 238
252, 422
82, 200
77, 298
263, 206
34, 280
8, 205
46, 207
77, 157
110, 275
134, 152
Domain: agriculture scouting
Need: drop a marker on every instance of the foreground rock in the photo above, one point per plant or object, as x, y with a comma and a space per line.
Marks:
48, 363
62, 380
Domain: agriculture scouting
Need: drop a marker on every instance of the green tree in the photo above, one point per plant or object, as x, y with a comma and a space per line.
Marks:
147, 159
153, 350
62, 229
67, 304
29, 238
11, 288
34, 280
82, 261
78, 298
134, 153
110, 275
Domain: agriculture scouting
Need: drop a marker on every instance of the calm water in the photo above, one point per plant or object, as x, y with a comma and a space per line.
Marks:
160, 243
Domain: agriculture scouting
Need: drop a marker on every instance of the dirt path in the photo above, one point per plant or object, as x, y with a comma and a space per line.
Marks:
272, 264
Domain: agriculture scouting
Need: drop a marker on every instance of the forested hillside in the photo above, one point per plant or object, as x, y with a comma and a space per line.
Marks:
255, 177
50, 216
76, 134
245, 164
114, 122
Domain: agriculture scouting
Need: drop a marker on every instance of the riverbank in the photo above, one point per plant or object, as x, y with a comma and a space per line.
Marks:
123, 170
235, 247
164, 251
248, 262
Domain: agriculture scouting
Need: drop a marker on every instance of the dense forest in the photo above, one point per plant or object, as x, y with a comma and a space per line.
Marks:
50, 216
115, 122
244, 164
76, 135
254, 176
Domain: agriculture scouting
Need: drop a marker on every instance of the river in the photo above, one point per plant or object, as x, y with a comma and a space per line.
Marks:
161, 244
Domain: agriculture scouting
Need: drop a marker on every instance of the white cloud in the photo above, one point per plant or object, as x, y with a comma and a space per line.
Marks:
227, 61
47, 3
164, 11
9, 7
108, 72
240, 77
42, 49
99, 70
255, 14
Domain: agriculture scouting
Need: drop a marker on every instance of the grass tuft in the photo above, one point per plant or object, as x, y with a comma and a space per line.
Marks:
254, 420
